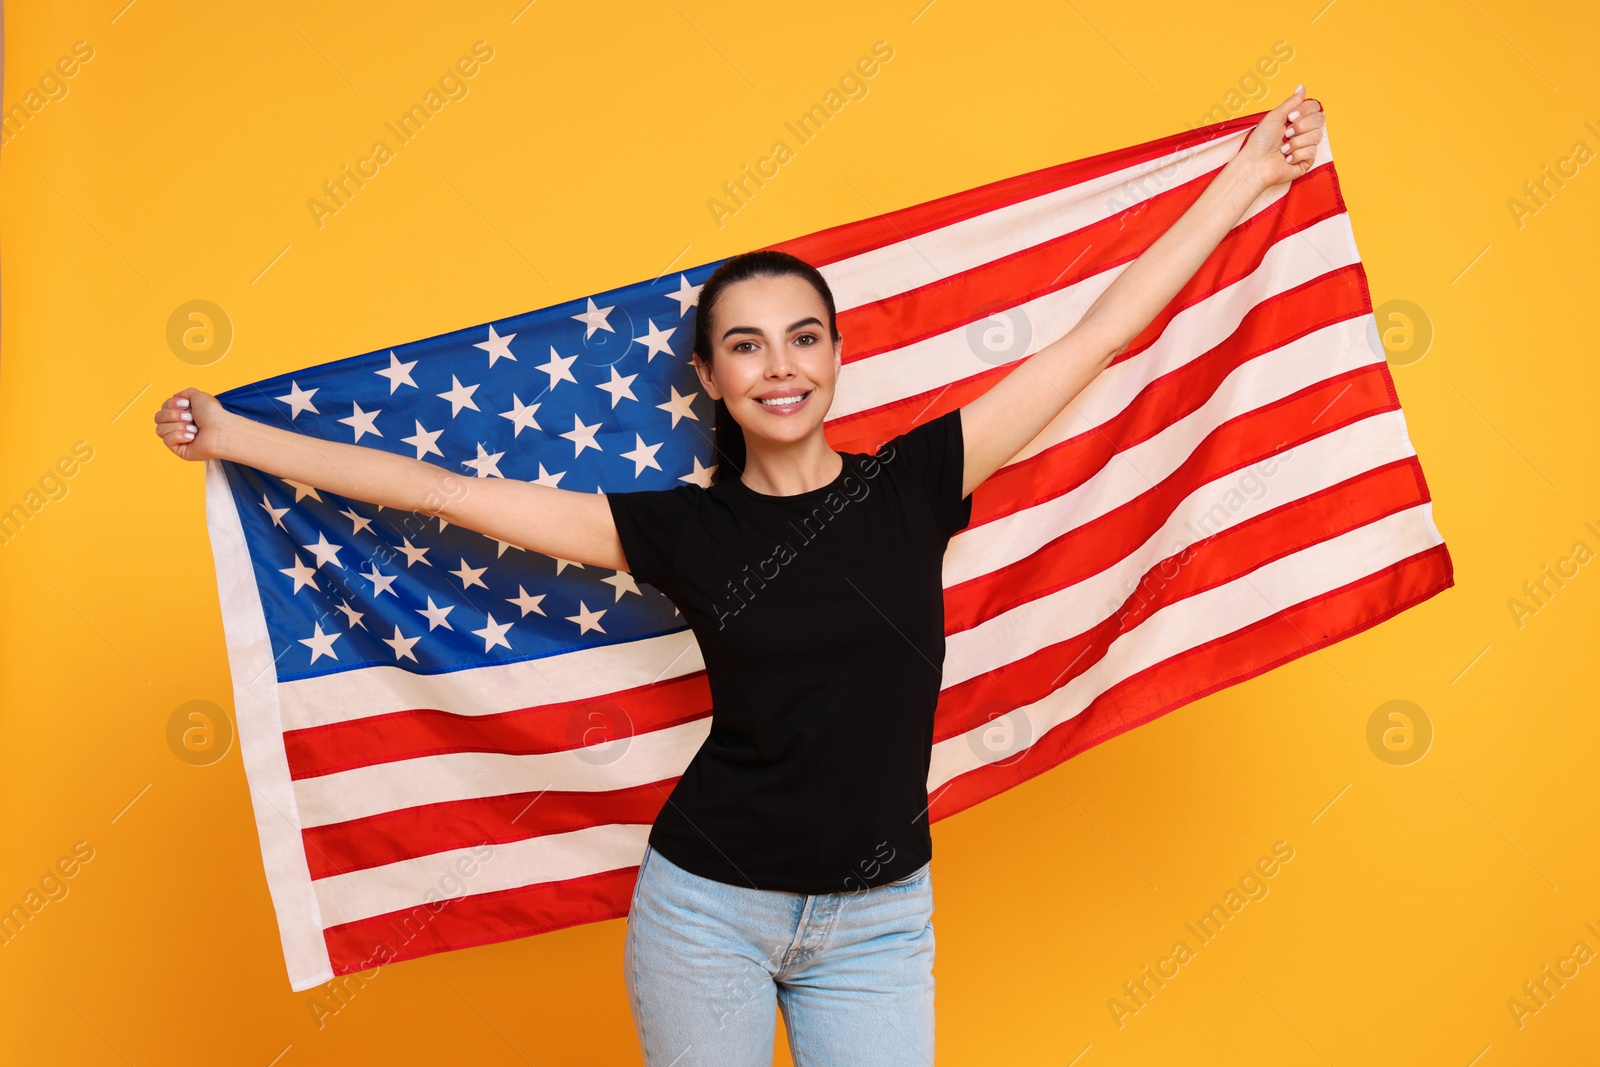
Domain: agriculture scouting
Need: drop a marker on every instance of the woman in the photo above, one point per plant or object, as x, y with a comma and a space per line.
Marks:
789, 866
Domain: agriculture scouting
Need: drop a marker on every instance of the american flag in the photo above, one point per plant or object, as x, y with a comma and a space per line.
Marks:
452, 741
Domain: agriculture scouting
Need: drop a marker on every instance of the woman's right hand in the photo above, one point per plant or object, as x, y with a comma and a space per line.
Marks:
190, 422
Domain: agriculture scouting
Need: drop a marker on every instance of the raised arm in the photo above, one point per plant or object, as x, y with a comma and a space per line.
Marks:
997, 425
541, 518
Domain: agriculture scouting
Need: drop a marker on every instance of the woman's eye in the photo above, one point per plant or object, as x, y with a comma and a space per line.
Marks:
810, 338
740, 346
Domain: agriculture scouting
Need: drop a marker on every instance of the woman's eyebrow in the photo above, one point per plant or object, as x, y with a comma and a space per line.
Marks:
810, 320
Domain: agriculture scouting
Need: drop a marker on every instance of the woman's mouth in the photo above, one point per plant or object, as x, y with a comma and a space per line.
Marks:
785, 405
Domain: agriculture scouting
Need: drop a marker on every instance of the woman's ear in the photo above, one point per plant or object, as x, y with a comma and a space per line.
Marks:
706, 382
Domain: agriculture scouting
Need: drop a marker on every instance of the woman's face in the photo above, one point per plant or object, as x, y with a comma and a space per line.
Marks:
770, 340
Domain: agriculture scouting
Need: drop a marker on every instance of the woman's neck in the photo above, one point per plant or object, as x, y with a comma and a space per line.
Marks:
790, 469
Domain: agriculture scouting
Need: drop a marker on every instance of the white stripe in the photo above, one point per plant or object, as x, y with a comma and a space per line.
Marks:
901, 266
357, 694
255, 699
1194, 620
464, 873
896, 268
621, 764
1269, 377
1220, 504
946, 358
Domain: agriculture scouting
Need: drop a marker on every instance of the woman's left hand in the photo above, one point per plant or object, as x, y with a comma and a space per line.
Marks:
1284, 143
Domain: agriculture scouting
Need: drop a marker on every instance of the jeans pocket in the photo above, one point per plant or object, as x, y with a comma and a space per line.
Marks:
915, 876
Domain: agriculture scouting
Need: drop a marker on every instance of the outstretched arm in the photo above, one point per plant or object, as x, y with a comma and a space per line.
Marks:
997, 425
541, 518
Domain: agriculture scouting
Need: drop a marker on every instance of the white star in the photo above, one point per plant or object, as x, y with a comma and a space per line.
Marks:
413, 553
587, 620
595, 319
358, 522
581, 435
469, 576
301, 489
299, 400
643, 455
618, 386
398, 373
494, 633
679, 406
546, 478
498, 347
559, 368
380, 581
324, 551
352, 616
302, 575
505, 545
527, 601
436, 615
486, 465
700, 476
402, 645
460, 396
276, 513
623, 582
321, 644
563, 564
656, 340
362, 422
521, 415
687, 296
424, 441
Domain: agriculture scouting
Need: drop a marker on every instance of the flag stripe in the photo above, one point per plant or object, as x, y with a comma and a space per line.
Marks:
339, 848
1221, 662
968, 702
1209, 614
1128, 169
447, 923
547, 728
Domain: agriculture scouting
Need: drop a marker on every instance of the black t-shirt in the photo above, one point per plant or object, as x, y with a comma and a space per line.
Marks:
820, 617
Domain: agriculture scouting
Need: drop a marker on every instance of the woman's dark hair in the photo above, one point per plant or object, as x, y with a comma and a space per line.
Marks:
727, 435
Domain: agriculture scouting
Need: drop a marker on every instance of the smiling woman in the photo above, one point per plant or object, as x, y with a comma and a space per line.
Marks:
790, 863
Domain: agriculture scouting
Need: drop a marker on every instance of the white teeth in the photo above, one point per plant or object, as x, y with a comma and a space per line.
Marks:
784, 401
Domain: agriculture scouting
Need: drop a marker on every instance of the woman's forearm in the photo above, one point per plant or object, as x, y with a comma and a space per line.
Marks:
1149, 283
353, 471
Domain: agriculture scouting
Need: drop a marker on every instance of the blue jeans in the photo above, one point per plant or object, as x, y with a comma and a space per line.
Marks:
705, 964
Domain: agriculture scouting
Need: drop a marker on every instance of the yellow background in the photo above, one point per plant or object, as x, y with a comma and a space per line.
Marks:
178, 167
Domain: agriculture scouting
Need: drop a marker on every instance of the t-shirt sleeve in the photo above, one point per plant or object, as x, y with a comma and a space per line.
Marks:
651, 524
935, 458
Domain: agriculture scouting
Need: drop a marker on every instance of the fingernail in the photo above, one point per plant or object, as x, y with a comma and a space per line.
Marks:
183, 403
1297, 88
1293, 115
185, 416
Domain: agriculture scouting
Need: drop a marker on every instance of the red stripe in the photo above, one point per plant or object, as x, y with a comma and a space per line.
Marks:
426, 829
1227, 661
854, 238
1061, 262
1270, 325
484, 919
970, 297
1246, 441
1220, 559
319, 750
